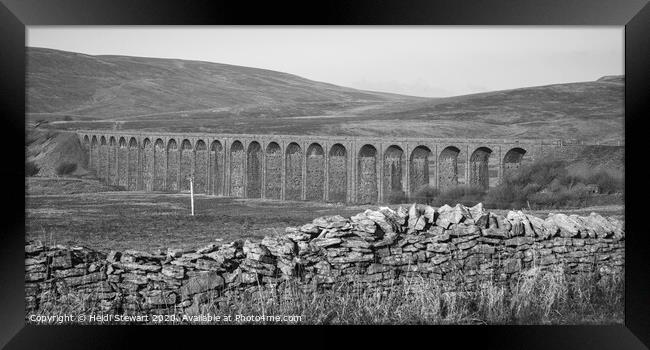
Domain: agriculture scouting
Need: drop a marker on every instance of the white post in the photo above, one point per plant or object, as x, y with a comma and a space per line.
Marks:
192, 195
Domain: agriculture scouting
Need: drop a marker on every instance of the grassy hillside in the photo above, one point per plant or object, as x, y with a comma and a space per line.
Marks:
47, 150
586, 110
107, 87
72, 90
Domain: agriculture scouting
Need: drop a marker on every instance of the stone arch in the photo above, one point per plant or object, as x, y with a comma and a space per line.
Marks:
159, 165
254, 170
479, 174
147, 165
103, 158
200, 167
420, 168
512, 160
273, 171
448, 168
338, 173
113, 173
133, 172
216, 168
367, 189
94, 154
237, 169
393, 173
187, 164
122, 163
293, 180
173, 165
315, 181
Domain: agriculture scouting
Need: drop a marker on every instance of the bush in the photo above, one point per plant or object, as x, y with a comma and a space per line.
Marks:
66, 168
397, 197
550, 184
544, 184
606, 182
504, 197
424, 194
466, 195
31, 169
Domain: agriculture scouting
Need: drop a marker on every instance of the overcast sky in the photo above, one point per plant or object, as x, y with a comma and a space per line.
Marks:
429, 61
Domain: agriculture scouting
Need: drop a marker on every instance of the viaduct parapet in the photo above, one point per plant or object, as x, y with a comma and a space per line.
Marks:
294, 167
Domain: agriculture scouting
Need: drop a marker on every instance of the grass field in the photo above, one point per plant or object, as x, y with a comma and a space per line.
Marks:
57, 212
146, 221
75, 211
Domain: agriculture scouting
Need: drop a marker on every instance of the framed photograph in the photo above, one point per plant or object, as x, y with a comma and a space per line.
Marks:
451, 169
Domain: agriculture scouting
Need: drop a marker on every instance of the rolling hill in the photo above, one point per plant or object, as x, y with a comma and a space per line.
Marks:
72, 90
106, 87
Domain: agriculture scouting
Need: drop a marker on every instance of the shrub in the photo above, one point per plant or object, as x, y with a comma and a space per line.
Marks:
504, 197
466, 195
66, 168
424, 194
549, 183
397, 197
606, 182
31, 169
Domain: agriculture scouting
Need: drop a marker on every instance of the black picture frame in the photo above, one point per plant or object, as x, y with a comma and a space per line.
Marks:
16, 14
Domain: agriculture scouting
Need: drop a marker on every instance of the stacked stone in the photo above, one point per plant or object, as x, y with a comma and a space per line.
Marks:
57, 273
455, 247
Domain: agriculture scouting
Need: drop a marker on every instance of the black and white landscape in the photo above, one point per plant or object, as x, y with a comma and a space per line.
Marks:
195, 189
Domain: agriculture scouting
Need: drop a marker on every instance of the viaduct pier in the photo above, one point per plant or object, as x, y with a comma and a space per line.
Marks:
294, 167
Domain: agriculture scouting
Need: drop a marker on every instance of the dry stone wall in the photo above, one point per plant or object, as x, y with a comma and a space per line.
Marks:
456, 247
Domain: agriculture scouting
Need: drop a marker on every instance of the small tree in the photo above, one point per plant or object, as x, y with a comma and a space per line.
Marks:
66, 168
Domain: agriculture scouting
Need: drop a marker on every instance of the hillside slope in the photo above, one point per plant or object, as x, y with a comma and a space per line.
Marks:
591, 111
119, 86
72, 91
47, 149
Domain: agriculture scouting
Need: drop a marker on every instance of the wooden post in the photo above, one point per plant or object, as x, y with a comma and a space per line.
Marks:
191, 194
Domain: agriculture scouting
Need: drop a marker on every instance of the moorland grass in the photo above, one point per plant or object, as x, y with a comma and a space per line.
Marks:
537, 297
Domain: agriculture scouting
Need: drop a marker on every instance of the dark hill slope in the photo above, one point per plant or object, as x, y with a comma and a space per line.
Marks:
102, 87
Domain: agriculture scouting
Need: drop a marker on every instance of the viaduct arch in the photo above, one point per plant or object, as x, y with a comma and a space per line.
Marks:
313, 168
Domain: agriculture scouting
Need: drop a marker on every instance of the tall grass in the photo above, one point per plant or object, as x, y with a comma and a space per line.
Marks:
538, 297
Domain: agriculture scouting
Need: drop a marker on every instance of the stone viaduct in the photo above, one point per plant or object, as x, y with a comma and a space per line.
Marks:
312, 168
